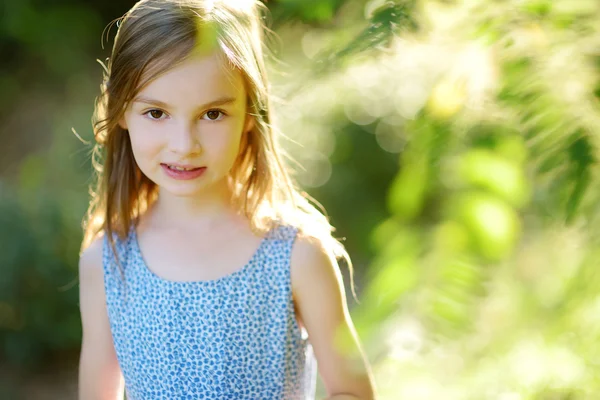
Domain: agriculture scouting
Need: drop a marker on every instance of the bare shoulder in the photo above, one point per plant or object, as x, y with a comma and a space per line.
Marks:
308, 248
92, 255
312, 263
90, 261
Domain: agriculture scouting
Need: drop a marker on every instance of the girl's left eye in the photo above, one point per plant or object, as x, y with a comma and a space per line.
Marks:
214, 115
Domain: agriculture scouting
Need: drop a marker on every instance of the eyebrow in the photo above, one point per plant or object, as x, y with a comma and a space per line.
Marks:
217, 102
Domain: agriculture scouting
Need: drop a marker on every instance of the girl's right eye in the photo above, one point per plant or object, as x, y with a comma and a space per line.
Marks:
155, 114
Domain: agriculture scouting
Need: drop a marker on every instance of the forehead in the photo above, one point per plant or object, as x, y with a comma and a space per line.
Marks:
197, 79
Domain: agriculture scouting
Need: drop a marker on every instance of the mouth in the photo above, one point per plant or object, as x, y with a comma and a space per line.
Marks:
175, 167
182, 172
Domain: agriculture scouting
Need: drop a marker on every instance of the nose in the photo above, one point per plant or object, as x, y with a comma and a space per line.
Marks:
183, 140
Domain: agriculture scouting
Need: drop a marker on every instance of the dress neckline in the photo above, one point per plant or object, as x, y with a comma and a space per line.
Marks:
228, 277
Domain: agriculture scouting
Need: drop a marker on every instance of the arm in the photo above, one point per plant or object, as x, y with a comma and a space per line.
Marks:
321, 304
99, 373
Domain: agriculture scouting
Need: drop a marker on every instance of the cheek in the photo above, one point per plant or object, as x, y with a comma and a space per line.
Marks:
145, 144
224, 141
224, 146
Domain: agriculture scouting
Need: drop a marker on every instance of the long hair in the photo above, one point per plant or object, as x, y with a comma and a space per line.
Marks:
152, 38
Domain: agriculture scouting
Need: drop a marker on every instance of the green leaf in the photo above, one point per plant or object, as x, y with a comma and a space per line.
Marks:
581, 155
385, 24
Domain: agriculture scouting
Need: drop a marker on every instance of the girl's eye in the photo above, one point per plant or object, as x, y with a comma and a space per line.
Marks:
214, 115
211, 115
155, 114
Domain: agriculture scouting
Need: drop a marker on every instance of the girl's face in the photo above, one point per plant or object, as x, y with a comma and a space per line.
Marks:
185, 126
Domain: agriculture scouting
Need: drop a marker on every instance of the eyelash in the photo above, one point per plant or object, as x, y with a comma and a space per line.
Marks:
222, 112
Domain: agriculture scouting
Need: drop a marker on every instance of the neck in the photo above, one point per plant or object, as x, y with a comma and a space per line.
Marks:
202, 210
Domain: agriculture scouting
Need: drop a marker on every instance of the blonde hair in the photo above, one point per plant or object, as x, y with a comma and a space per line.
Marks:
153, 37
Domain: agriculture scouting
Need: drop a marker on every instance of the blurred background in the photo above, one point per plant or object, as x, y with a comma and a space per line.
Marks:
453, 143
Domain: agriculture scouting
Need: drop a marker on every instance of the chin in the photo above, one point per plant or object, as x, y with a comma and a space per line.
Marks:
186, 189
198, 187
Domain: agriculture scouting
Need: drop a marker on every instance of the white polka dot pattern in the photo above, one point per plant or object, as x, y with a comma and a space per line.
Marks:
235, 337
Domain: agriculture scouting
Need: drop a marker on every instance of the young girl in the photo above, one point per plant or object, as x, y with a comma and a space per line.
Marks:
204, 273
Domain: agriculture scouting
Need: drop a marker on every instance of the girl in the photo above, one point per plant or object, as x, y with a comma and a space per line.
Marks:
204, 273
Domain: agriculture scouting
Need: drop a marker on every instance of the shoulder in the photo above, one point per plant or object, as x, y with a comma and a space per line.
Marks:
312, 265
308, 249
90, 262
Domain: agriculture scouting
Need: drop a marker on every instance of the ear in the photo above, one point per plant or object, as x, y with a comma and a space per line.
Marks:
123, 123
250, 122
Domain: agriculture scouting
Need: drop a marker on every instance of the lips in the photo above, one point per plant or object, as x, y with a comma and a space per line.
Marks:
180, 167
182, 172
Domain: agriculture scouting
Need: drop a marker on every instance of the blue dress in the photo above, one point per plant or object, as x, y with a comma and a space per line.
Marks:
234, 337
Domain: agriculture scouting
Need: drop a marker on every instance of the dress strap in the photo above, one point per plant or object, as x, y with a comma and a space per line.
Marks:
283, 233
280, 241
115, 259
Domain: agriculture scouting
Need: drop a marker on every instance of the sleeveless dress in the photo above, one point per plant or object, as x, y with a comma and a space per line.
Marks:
235, 337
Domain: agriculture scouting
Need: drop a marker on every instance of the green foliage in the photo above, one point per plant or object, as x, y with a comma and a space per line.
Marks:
385, 22
481, 284
485, 192
38, 304
308, 11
